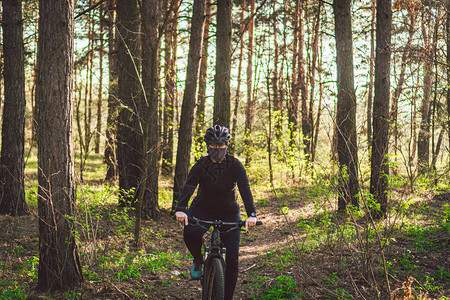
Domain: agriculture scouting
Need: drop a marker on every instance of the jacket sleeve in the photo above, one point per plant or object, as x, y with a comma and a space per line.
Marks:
188, 189
244, 188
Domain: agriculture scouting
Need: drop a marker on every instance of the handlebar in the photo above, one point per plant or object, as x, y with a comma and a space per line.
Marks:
217, 223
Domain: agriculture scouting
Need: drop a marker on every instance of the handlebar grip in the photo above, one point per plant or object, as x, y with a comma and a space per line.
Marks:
258, 223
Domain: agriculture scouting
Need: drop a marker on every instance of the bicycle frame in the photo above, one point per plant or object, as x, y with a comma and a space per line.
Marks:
215, 249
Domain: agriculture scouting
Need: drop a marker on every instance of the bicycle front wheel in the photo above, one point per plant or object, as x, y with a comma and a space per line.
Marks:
213, 280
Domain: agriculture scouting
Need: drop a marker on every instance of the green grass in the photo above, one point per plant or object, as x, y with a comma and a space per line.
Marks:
281, 287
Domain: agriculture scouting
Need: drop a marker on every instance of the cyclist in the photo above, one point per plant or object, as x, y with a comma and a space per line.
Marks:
217, 176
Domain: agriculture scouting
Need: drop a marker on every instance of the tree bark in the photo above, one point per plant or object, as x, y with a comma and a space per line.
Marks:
237, 98
380, 143
249, 112
201, 101
100, 86
413, 148
59, 266
277, 99
310, 142
150, 79
111, 120
129, 133
12, 165
302, 84
169, 93
401, 80
33, 91
174, 63
189, 97
86, 139
319, 106
448, 68
423, 144
222, 77
371, 72
346, 106
1, 68
295, 87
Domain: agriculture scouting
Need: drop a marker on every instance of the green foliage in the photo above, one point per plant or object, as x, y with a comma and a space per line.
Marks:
126, 264
335, 291
31, 196
282, 287
428, 237
285, 210
323, 185
371, 203
32, 270
165, 194
281, 259
73, 295
12, 290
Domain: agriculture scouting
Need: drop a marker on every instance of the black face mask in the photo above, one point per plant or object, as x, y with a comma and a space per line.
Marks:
217, 154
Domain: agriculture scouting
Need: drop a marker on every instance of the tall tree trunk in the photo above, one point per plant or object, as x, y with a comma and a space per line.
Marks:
371, 72
59, 265
200, 112
423, 145
283, 83
174, 63
111, 121
414, 125
346, 106
79, 126
148, 201
401, 80
315, 55
169, 94
190, 93
380, 141
1, 67
129, 133
221, 114
448, 68
293, 100
269, 133
237, 98
33, 90
277, 99
319, 107
437, 151
306, 125
249, 112
12, 165
88, 95
100, 86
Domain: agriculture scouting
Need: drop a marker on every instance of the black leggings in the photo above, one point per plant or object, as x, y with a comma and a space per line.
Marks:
193, 239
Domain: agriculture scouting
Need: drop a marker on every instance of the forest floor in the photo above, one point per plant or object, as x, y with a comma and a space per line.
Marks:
299, 252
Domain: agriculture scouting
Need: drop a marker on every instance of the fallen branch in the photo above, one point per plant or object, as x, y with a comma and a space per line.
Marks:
249, 268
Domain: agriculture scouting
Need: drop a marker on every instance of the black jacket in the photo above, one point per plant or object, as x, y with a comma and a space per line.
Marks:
217, 186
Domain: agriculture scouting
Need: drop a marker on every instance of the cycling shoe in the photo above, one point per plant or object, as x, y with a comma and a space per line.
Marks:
196, 271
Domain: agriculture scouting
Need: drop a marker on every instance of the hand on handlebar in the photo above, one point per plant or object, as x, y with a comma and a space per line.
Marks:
250, 222
181, 217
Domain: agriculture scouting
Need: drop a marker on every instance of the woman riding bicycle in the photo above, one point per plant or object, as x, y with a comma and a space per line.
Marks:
217, 176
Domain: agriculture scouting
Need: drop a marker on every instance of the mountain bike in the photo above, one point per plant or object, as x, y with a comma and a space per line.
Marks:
213, 273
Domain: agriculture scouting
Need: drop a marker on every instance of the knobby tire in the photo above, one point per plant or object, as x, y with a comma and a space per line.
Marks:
213, 281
